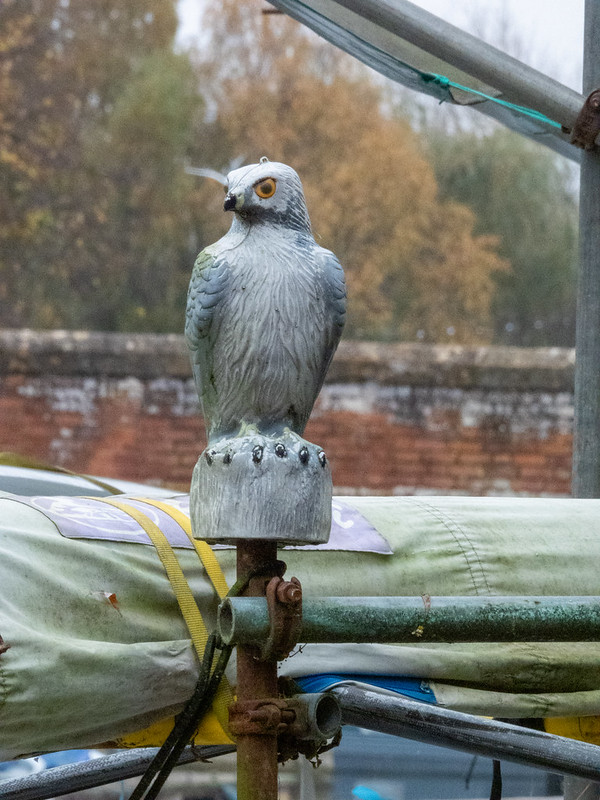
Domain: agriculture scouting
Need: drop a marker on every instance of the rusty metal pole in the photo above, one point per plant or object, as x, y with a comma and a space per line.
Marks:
256, 680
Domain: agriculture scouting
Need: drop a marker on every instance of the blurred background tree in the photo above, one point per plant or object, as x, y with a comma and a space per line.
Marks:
523, 195
144, 200
413, 263
100, 115
445, 235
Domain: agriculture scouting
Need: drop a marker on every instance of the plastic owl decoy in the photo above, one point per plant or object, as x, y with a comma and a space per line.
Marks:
265, 312
266, 308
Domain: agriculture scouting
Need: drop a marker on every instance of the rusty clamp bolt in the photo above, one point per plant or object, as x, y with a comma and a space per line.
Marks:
587, 125
284, 602
268, 717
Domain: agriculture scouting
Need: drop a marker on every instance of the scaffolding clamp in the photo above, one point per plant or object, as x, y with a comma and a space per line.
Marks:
587, 125
267, 717
304, 723
284, 603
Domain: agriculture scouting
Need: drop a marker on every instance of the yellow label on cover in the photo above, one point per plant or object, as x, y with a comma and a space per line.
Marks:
584, 729
209, 732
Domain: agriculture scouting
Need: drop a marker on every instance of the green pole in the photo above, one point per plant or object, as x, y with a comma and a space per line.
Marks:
245, 620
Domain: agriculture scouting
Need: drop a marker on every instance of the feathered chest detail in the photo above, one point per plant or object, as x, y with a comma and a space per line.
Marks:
270, 336
273, 290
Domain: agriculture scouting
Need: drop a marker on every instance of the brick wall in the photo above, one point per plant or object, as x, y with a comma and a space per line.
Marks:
400, 418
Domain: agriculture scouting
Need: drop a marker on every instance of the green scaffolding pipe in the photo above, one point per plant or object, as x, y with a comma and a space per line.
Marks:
245, 620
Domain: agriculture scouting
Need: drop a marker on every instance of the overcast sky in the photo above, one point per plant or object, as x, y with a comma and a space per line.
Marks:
548, 34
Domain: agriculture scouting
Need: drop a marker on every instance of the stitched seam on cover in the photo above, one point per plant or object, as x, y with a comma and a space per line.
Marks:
456, 531
3, 682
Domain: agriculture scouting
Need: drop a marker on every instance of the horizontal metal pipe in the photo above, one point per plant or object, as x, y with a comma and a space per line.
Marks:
400, 716
244, 620
97, 772
518, 82
318, 716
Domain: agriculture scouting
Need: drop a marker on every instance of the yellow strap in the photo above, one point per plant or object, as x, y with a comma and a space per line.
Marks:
224, 696
183, 593
204, 550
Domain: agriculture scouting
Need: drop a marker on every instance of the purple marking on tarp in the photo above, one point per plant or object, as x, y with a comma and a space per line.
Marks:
89, 518
350, 531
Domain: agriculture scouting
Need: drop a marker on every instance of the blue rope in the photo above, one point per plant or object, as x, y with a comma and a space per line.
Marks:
446, 83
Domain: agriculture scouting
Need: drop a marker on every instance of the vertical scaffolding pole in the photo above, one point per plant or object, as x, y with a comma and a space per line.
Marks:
256, 680
586, 445
586, 448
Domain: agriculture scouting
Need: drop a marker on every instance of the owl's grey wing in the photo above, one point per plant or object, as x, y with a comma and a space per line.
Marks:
206, 290
334, 293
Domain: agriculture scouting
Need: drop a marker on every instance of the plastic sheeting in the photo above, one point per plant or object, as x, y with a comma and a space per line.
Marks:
400, 60
97, 646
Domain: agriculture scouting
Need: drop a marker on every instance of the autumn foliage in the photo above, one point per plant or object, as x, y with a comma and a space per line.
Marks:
413, 265
100, 224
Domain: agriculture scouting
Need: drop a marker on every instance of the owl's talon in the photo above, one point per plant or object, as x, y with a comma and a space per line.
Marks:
259, 486
304, 455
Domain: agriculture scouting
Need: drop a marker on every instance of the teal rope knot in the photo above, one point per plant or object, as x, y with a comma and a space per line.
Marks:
439, 80
446, 83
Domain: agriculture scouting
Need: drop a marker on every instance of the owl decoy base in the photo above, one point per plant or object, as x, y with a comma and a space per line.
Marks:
262, 487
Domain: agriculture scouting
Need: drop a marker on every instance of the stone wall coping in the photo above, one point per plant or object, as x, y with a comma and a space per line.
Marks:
148, 356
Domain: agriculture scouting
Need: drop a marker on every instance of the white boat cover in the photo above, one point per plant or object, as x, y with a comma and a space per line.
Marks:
96, 646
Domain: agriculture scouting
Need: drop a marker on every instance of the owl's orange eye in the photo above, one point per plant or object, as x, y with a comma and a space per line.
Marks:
265, 189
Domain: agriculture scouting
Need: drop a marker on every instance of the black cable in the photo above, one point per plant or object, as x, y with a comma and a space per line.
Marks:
201, 700
187, 732
187, 721
496, 791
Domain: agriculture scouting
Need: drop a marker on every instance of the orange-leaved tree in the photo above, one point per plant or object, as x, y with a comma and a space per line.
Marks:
414, 266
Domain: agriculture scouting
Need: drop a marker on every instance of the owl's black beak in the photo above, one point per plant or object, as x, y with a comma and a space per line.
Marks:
230, 202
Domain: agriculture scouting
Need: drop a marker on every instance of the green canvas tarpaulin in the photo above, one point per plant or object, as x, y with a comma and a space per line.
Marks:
98, 648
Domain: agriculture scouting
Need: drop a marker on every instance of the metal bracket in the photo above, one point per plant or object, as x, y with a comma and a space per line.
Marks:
303, 723
267, 717
315, 729
284, 602
587, 125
